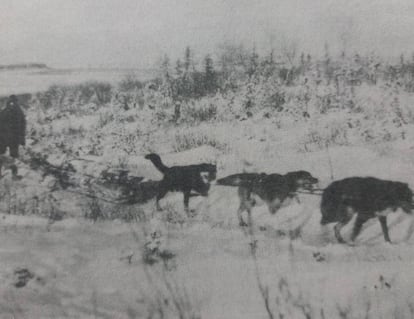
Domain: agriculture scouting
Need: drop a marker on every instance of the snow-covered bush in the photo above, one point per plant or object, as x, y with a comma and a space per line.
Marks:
186, 139
73, 98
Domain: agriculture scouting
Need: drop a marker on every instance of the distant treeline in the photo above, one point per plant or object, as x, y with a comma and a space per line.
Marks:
234, 66
24, 66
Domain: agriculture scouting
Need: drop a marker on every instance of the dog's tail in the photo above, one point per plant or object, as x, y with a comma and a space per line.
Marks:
156, 160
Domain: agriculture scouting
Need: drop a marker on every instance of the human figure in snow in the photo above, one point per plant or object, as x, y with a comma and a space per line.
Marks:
12, 127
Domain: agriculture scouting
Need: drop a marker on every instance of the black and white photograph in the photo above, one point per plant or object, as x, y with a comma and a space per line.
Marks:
193, 159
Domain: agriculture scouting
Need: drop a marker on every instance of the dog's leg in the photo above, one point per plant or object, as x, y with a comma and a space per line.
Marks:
186, 200
274, 205
347, 216
297, 199
337, 229
250, 221
383, 222
240, 211
158, 205
244, 197
357, 227
249, 217
162, 191
244, 206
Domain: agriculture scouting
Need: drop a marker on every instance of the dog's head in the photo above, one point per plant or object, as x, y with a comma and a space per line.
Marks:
403, 196
152, 157
202, 184
302, 179
208, 173
201, 187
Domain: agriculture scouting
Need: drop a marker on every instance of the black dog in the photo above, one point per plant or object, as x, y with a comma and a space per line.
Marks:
273, 189
367, 197
183, 179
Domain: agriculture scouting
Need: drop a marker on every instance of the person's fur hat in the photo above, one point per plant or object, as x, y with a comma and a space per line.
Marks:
12, 99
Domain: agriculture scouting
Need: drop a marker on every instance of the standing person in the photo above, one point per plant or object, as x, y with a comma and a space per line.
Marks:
12, 127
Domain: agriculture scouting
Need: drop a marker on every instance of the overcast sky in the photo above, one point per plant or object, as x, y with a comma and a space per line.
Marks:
134, 33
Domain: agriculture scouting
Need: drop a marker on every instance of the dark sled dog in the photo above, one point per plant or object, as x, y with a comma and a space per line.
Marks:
273, 189
368, 197
183, 179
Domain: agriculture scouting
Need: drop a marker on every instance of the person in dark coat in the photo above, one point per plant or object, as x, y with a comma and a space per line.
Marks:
12, 127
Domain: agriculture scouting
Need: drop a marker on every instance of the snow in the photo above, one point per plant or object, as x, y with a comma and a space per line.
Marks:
111, 268
81, 268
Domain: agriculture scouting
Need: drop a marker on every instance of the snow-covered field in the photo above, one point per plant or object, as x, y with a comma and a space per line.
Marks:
81, 268
55, 263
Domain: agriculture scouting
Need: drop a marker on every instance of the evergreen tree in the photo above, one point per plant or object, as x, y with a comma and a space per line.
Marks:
165, 68
210, 80
179, 68
166, 79
187, 82
253, 63
187, 60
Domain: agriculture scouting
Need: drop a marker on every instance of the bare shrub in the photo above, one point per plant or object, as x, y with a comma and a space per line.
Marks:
128, 142
195, 114
168, 296
171, 300
53, 97
190, 139
16, 202
128, 213
319, 139
172, 216
130, 83
94, 211
71, 97
97, 92
101, 209
73, 130
105, 118
276, 100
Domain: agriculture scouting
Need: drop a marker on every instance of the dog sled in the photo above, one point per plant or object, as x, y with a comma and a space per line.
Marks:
111, 185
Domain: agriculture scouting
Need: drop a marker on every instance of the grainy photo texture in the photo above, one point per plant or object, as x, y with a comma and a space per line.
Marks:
179, 159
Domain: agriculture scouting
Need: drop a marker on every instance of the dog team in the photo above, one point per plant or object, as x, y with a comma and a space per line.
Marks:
365, 197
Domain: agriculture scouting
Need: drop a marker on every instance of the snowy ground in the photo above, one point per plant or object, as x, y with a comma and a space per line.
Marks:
56, 262
82, 269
